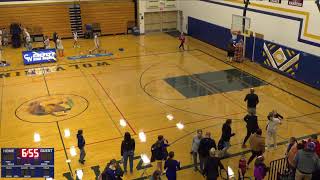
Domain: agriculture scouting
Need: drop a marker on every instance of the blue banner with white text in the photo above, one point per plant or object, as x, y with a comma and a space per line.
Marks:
39, 56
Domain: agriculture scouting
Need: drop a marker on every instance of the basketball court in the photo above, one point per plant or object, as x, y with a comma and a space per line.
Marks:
143, 84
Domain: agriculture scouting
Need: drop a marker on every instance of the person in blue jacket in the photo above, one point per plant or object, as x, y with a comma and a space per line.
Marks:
81, 144
171, 166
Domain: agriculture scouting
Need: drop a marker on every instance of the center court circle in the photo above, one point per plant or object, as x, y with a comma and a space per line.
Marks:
53, 108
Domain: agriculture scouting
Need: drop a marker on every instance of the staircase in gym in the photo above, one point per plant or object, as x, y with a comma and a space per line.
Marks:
75, 19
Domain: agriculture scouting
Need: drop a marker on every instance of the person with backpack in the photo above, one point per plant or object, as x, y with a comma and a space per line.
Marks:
224, 142
205, 145
260, 168
127, 151
252, 126
81, 144
171, 166
159, 151
274, 121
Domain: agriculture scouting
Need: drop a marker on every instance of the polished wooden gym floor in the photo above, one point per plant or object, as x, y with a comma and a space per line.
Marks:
133, 85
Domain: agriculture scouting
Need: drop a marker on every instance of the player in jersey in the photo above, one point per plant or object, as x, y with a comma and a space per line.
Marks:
60, 47
75, 39
28, 40
46, 42
97, 47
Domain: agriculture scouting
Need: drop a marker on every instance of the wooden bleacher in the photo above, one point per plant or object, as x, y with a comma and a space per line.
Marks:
50, 17
113, 16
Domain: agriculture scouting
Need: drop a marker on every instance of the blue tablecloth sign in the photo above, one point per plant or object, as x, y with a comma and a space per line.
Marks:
39, 56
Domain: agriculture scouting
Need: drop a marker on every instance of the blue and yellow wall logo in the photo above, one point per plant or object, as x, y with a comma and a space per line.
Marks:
281, 58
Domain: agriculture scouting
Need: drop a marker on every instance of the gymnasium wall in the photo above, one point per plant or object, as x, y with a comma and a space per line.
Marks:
283, 27
112, 15
46, 16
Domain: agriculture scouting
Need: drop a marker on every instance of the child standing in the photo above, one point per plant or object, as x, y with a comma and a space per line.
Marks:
171, 166
182, 39
46, 42
231, 49
75, 40
260, 168
242, 167
60, 47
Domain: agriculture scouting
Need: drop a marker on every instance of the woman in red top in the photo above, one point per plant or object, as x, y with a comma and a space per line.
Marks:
182, 39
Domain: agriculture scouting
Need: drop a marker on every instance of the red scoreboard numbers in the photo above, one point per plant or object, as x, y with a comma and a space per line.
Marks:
29, 153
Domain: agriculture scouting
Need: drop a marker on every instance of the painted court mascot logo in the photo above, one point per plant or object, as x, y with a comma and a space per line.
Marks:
53, 106
281, 58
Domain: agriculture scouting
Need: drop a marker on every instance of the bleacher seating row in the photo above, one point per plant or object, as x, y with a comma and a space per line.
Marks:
113, 16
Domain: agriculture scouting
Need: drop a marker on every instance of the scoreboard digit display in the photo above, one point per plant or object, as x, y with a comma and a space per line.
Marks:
27, 162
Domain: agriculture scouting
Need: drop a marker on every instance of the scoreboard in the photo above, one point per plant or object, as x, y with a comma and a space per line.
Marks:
27, 162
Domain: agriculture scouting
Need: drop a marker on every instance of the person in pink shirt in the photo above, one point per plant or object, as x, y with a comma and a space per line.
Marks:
182, 39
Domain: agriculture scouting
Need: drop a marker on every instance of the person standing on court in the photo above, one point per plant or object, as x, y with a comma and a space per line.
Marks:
81, 144
257, 145
171, 166
55, 37
252, 126
159, 151
127, 151
306, 162
182, 39
194, 148
274, 121
224, 142
211, 169
252, 100
204, 147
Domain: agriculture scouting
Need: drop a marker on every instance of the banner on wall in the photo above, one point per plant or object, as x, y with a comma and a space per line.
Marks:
275, 1
298, 3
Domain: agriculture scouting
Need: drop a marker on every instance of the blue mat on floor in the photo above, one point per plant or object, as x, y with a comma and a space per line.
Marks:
89, 56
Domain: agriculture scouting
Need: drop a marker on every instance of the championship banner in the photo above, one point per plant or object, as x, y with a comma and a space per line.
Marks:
298, 3
275, 1
39, 56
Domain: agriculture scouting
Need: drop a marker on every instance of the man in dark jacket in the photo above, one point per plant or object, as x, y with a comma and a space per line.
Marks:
205, 145
224, 142
252, 126
81, 144
211, 169
252, 100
